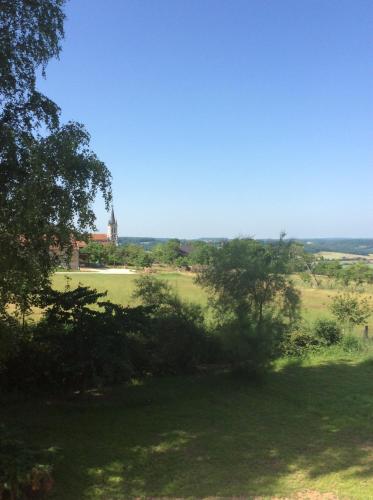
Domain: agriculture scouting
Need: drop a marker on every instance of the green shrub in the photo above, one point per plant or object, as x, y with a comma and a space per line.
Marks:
328, 331
300, 341
247, 348
173, 340
350, 343
74, 346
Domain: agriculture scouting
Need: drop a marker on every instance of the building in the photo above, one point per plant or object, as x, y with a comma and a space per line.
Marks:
112, 229
77, 258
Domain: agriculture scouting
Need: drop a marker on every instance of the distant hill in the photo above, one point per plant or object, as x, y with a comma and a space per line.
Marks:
149, 242
358, 246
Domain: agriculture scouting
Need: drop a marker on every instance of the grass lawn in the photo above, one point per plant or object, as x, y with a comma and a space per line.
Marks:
307, 427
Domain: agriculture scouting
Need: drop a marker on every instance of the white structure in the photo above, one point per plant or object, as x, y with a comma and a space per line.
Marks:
112, 229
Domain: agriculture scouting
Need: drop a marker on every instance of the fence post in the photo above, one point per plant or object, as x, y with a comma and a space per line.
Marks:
366, 332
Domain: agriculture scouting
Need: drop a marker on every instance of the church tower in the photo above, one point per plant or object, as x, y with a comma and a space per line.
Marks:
112, 229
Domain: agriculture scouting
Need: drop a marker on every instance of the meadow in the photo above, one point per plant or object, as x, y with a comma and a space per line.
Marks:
315, 301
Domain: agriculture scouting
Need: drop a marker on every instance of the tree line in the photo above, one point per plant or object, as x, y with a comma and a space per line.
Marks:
172, 253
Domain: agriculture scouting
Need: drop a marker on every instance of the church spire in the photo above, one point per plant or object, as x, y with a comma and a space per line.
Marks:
112, 218
112, 229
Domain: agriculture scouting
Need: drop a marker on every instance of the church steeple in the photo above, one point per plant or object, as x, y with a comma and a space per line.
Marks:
112, 230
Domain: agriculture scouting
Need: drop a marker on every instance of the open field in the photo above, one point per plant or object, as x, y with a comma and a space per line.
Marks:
344, 256
307, 427
120, 287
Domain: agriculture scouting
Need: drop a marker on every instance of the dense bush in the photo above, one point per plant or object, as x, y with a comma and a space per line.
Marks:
300, 341
83, 341
328, 331
75, 346
174, 340
303, 338
250, 348
350, 310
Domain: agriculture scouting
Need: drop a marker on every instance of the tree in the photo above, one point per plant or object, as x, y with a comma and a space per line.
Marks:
96, 253
304, 263
30, 35
350, 310
167, 253
359, 273
48, 181
253, 297
135, 255
200, 253
248, 277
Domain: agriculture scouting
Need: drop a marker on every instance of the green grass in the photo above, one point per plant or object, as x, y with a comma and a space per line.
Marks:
307, 427
315, 301
120, 287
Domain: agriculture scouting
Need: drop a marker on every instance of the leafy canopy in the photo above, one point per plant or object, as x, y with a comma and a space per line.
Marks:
246, 277
48, 181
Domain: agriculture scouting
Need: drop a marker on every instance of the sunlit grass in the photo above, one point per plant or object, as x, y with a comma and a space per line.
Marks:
315, 301
306, 427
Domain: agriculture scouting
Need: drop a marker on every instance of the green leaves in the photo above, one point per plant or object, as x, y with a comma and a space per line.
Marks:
247, 277
48, 182
350, 309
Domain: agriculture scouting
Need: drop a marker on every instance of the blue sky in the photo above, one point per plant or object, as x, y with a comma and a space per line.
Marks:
225, 117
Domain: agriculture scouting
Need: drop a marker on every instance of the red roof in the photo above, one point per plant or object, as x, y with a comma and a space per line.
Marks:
95, 237
102, 237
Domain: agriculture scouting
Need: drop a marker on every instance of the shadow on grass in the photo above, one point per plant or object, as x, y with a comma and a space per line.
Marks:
307, 427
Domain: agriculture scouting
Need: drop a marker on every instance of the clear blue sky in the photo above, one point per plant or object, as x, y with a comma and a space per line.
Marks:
225, 117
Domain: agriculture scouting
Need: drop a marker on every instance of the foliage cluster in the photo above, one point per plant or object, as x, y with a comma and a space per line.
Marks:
49, 176
83, 341
128, 255
350, 310
357, 273
170, 253
303, 339
254, 299
310, 267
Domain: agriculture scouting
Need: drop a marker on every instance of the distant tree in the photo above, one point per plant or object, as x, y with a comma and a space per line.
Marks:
136, 255
200, 253
304, 263
350, 310
96, 253
330, 268
48, 175
358, 273
167, 253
